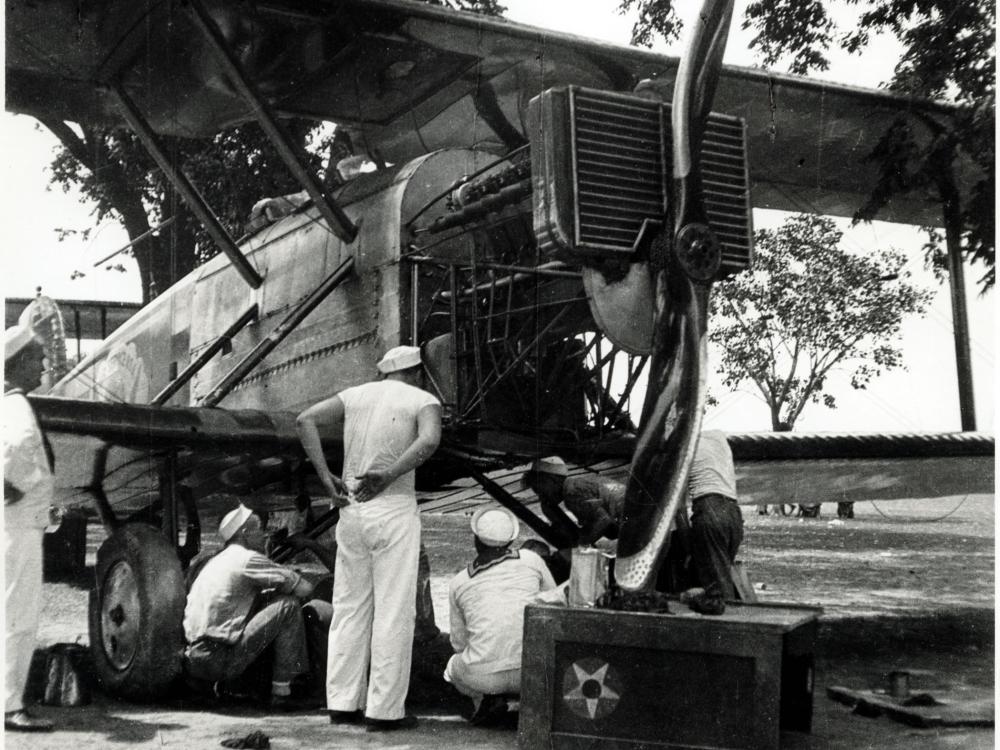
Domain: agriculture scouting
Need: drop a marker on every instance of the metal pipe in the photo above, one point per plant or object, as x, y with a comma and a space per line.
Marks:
186, 189
189, 372
520, 358
519, 273
491, 203
293, 156
137, 240
285, 327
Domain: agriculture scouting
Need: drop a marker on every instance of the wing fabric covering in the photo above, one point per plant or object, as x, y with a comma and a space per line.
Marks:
408, 78
118, 447
802, 468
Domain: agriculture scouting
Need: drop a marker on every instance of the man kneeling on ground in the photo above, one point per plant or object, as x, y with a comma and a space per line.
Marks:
486, 602
241, 603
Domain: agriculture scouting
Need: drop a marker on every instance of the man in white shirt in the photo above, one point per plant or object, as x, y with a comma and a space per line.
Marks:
27, 494
486, 604
242, 602
391, 426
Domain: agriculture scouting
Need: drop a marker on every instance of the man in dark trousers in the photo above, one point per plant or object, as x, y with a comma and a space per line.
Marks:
242, 602
716, 521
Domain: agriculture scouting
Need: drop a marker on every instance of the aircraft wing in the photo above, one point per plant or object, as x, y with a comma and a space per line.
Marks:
804, 468
408, 78
120, 448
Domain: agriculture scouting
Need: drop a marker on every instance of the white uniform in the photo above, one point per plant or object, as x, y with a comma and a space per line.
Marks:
378, 545
487, 620
25, 466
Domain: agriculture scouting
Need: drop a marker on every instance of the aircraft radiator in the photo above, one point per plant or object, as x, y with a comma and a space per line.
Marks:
601, 175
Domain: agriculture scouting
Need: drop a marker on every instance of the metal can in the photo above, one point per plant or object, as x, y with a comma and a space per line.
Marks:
588, 576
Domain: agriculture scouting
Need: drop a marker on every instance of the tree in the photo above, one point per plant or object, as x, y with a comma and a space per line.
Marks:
807, 309
948, 53
232, 170
111, 168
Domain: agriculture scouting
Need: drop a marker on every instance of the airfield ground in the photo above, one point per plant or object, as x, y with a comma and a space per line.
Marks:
901, 586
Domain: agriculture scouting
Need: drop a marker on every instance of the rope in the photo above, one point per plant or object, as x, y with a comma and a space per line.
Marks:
922, 520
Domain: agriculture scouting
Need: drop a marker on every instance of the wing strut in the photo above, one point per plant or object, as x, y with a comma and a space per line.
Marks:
192, 369
285, 327
293, 156
498, 493
185, 187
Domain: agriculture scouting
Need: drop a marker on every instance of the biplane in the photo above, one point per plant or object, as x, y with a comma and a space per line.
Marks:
544, 215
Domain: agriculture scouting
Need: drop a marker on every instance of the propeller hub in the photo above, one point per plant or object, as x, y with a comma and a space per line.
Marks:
698, 252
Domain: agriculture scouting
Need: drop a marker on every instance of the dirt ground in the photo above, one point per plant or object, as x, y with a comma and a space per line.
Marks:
904, 585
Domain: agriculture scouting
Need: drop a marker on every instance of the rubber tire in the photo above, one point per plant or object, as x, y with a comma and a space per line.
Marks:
158, 623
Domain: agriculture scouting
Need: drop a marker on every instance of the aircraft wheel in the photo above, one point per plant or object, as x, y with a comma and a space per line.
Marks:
136, 613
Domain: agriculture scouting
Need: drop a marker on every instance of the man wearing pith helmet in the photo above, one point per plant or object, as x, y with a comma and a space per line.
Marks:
486, 605
391, 426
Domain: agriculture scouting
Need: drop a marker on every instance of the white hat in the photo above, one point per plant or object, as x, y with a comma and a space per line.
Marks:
550, 465
495, 527
233, 521
16, 338
399, 358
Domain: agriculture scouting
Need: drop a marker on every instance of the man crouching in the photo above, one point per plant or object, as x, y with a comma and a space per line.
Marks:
487, 602
227, 621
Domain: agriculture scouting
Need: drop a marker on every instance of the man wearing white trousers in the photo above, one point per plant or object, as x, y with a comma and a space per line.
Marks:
486, 605
27, 494
391, 426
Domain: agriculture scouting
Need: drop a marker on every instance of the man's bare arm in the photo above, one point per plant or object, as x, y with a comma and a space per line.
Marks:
328, 412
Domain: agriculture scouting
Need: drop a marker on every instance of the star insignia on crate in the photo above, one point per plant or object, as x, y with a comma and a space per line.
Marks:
591, 688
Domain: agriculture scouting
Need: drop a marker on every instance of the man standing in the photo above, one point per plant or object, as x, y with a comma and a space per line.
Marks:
391, 426
242, 602
27, 495
486, 603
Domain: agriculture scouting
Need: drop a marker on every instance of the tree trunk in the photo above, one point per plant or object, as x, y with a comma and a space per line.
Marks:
952, 212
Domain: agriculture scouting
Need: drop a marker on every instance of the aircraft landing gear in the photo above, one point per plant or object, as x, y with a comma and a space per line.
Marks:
136, 613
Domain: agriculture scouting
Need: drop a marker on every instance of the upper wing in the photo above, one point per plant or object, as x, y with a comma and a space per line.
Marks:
409, 78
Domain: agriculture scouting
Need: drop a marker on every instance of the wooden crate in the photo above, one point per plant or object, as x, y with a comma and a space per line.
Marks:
599, 679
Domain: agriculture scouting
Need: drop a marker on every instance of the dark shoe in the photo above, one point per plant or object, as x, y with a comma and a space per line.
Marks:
390, 725
345, 717
707, 604
491, 712
22, 721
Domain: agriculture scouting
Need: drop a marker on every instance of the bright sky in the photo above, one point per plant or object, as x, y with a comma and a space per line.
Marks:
924, 397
